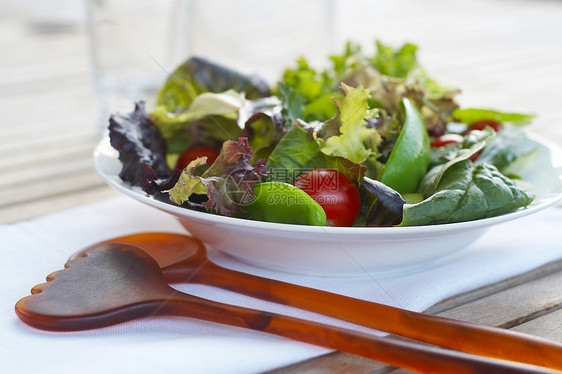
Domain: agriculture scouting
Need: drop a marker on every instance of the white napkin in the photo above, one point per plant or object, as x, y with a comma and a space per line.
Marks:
31, 250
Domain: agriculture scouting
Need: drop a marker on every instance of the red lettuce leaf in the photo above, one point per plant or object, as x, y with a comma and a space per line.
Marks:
142, 149
229, 181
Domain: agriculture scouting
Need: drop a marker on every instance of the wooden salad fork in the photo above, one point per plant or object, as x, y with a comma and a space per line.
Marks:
113, 282
184, 259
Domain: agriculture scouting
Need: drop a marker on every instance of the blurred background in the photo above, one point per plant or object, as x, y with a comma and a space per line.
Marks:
505, 55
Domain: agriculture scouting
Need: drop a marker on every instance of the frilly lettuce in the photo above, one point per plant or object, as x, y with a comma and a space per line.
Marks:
395, 63
228, 182
311, 93
142, 148
356, 141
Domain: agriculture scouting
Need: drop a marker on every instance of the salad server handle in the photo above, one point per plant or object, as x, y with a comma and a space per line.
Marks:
406, 354
445, 332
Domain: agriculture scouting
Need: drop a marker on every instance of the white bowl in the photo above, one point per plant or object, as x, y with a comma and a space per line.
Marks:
341, 250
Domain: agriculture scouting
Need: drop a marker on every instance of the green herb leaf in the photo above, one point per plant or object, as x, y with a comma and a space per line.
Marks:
472, 115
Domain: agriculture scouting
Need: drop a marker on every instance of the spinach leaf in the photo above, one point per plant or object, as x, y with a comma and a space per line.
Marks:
467, 192
509, 151
473, 143
381, 205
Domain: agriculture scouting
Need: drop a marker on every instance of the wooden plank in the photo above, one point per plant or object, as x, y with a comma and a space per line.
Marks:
513, 306
548, 326
53, 204
448, 304
47, 188
48, 156
334, 363
19, 178
478, 306
21, 146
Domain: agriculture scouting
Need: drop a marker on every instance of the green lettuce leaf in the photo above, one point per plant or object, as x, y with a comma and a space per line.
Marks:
213, 118
226, 104
263, 125
198, 75
356, 141
292, 103
298, 152
395, 63
209, 121
467, 192
311, 93
188, 183
228, 183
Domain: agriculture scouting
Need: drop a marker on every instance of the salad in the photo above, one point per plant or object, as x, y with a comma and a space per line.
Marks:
369, 141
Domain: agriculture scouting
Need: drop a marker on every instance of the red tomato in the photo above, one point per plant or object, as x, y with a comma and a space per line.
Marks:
192, 153
475, 156
481, 125
334, 192
446, 139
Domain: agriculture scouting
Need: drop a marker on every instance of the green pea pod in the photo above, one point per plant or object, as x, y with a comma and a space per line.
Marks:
284, 203
411, 155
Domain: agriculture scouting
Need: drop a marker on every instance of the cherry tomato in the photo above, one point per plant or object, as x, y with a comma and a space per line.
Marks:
443, 140
192, 153
481, 125
334, 192
475, 156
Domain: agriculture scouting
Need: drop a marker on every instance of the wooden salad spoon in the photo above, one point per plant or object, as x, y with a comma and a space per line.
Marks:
184, 259
114, 282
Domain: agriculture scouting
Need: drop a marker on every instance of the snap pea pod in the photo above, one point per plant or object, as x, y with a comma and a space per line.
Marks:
284, 203
411, 155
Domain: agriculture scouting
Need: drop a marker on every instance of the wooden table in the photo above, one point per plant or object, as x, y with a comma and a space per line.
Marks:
505, 55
